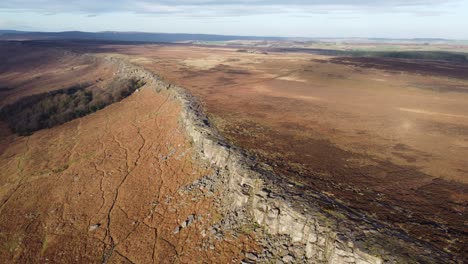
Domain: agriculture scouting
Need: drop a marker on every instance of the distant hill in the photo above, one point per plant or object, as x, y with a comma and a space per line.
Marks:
122, 36
183, 37
2, 32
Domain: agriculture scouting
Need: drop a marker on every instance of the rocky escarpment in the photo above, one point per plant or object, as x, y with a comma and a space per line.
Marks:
296, 225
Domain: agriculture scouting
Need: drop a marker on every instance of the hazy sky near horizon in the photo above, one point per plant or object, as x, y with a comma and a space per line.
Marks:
300, 18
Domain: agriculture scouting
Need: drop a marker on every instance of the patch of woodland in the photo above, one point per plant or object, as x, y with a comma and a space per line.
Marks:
57, 107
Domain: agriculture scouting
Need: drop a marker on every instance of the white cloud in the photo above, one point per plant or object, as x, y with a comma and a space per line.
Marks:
223, 7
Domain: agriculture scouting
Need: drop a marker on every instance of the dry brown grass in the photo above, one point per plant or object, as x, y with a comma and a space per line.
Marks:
377, 139
106, 188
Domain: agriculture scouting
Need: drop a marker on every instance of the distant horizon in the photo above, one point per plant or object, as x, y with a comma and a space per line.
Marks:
9, 30
391, 19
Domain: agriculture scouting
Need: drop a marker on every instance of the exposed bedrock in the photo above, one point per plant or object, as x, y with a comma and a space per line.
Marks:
252, 191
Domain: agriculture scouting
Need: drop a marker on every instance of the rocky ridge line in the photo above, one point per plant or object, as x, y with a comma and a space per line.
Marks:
295, 226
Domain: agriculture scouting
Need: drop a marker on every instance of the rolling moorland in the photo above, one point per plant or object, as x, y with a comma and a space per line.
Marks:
304, 155
110, 187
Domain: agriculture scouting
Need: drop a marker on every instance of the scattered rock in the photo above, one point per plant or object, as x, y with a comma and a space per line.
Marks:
94, 227
190, 219
288, 259
251, 256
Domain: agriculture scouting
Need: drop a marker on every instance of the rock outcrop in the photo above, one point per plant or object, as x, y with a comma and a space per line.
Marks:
299, 226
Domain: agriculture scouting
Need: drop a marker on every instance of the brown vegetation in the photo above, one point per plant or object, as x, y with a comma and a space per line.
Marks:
109, 187
47, 110
368, 137
451, 69
382, 141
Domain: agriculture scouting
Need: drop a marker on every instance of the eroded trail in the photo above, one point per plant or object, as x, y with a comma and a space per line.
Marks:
107, 188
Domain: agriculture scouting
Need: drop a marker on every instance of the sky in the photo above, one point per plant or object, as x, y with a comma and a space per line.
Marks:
293, 18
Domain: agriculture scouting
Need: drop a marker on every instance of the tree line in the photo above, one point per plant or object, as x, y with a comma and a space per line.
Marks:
47, 110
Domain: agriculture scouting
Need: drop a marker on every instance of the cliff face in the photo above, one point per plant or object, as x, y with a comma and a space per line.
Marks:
311, 235
299, 226
111, 187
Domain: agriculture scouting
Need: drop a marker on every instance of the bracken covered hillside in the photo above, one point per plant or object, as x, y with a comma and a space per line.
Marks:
110, 188
104, 161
